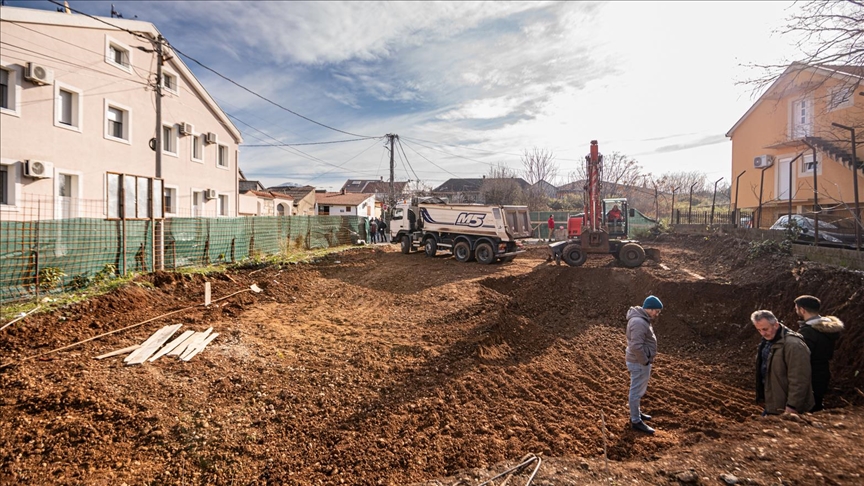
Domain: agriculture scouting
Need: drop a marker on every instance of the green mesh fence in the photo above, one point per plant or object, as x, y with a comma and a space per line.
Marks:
38, 257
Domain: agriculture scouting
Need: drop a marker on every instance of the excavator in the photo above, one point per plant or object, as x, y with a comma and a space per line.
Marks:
602, 229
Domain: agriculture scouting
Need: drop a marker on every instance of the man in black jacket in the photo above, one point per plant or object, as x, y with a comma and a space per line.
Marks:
820, 334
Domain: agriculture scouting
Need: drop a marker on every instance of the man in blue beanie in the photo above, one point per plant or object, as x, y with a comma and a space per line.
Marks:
641, 351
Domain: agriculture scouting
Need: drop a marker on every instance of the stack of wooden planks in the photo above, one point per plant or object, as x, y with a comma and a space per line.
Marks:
185, 346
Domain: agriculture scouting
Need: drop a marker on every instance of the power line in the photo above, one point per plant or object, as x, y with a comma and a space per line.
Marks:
406, 160
309, 143
226, 78
235, 83
463, 147
343, 164
433, 163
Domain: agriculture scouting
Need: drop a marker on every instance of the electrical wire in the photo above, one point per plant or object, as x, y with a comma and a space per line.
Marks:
427, 160
343, 164
463, 147
217, 73
309, 143
416, 178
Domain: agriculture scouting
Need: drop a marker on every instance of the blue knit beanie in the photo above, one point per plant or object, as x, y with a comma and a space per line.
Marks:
652, 302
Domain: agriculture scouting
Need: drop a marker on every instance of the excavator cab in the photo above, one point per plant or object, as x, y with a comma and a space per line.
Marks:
615, 218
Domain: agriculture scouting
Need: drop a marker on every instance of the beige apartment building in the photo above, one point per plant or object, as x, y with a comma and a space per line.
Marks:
78, 124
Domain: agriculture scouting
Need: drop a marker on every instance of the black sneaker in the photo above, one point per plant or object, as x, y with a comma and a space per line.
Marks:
644, 417
641, 427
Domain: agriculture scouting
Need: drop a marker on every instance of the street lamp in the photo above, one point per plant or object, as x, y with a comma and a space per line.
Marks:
854, 186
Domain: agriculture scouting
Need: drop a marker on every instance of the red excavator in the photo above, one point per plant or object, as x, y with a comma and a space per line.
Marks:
602, 229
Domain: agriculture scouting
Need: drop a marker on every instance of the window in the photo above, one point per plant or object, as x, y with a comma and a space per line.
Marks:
67, 191
4, 180
169, 82
840, 97
223, 205
117, 122
129, 196
198, 148
169, 140
222, 156
67, 107
118, 54
807, 165
4, 89
171, 200
197, 203
9, 90
347, 209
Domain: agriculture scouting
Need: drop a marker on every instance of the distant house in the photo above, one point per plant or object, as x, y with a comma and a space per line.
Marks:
302, 199
380, 188
343, 203
774, 142
545, 188
469, 190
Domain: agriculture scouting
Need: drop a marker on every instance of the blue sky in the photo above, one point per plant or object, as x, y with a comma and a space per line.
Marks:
471, 85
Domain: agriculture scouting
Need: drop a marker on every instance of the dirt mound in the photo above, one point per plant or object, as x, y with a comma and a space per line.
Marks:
373, 367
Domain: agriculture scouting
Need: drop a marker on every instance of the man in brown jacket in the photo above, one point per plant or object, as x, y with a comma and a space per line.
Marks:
782, 367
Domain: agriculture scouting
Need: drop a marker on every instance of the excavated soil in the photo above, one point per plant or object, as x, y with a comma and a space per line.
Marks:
374, 367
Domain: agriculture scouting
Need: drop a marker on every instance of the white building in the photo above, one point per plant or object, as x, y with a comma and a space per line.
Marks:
77, 121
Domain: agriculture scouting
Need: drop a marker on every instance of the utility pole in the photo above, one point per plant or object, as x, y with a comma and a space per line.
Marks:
159, 61
156, 257
392, 201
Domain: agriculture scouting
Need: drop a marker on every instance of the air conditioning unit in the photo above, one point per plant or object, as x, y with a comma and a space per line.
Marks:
39, 74
211, 137
763, 161
210, 194
38, 169
186, 128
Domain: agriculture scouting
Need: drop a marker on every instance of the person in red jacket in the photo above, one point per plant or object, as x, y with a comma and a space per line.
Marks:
551, 224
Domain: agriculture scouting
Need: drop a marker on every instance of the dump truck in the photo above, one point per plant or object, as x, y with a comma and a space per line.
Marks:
485, 233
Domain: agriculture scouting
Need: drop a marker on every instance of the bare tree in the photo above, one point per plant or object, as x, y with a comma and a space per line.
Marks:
620, 175
539, 166
500, 186
829, 34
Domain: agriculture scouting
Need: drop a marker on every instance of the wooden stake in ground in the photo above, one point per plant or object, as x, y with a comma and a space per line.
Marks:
206, 294
605, 455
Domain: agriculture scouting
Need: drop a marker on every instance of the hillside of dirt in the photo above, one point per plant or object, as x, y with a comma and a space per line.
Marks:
373, 367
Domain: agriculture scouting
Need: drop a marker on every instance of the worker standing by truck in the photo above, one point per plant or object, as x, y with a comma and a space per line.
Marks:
551, 225
640, 355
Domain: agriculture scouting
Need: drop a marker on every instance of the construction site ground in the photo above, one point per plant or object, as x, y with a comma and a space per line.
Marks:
371, 367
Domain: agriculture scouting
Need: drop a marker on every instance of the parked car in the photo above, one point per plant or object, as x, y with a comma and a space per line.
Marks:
828, 232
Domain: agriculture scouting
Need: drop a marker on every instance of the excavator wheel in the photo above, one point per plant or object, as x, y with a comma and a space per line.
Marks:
484, 253
462, 252
574, 255
631, 255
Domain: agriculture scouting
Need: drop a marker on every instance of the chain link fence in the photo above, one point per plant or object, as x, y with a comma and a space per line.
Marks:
50, 244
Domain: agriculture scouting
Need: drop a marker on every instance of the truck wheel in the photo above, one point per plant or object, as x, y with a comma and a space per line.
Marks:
631, 255
431, 247
406, 244
484, 253
462, 252
574, 255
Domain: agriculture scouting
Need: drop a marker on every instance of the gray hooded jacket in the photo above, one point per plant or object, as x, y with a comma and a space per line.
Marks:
641, 342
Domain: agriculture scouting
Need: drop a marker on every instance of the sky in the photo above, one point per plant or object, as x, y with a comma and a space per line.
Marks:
471, 86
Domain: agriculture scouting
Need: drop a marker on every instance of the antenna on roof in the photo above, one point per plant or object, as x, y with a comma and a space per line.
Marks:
115, 13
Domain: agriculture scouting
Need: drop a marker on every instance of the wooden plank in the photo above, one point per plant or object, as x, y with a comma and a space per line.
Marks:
198, 339
182, 346
152, 343
118, 352
201, 347
170, 346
